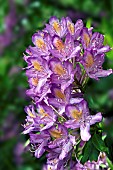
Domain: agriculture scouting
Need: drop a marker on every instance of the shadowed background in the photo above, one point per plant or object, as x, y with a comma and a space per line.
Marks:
19, 19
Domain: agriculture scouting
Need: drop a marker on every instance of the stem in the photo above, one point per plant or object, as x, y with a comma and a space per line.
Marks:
58, 112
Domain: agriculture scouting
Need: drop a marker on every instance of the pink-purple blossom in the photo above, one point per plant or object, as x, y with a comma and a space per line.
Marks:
64, 56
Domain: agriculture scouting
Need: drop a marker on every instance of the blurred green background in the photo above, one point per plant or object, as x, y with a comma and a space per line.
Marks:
19, 19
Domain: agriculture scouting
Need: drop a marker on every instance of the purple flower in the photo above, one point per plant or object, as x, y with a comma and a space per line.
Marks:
65, 50
56, 27
65, 55
59, 99
58, 156
39, 141
79, 118
43, 119
88, 165
76, 29
93, 65
93, 42
38, 73
31, 115
43, 43
59, 133
46, 116
62, 73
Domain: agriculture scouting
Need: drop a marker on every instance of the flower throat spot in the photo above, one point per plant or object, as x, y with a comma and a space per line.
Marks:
56, 27
31, 114
35, 81
59, 94
59, 70
43, 113
56, 134
37, 66
40, 43
86, 39
89, 61
76, 114
71, 28
59, 44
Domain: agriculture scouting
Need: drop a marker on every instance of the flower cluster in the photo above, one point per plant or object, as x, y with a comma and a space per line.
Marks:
59, 64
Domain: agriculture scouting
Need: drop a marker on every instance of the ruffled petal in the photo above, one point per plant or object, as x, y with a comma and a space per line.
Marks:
96, 118
85, 132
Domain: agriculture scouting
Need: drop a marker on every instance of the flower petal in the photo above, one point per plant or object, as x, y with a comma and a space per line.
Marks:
65, 150
101, 73
96, 118
84, 132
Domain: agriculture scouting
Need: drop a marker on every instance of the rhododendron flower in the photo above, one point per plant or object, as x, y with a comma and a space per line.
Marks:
64, 56
80, 117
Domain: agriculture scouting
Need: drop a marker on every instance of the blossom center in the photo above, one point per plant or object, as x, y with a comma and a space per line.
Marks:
40, 43
59, 44
76, 114
37, 66
56, 134
31, 114
59, 94
59, 69
89, 61
71, 28
56, 27
35, 81
86, 38
43, 113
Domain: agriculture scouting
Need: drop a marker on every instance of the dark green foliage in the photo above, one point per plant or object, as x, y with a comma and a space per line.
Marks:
90, 152
99, 143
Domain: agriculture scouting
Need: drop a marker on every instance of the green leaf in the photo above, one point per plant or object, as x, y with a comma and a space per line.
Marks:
90, 152
99, 143
27, 143
87, 151
88, 23
110, 163
94, 154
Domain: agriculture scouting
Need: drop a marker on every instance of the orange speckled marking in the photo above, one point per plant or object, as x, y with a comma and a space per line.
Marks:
56, 134
31, 114
40, 43
89, 61
37, 66
56, 27
58, 69
59, 94
35, 81
86, 39
43, 113
76, 114
71, 28
59, 44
